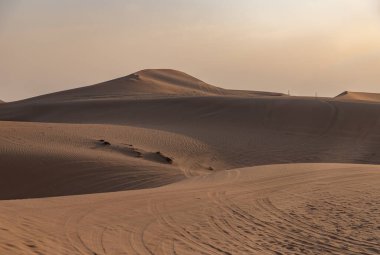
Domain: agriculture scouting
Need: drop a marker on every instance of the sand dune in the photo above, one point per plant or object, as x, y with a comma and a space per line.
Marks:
202, 133
284, 209
254, 132
150, 83
371, 97
172, 101
173, 147
305, 115
42, 160
67, 159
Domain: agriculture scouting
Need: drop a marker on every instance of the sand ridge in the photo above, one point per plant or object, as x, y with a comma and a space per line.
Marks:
361, 96
149, 83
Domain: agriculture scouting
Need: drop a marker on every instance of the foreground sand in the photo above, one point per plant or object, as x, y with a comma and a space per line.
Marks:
183, 163
280, 209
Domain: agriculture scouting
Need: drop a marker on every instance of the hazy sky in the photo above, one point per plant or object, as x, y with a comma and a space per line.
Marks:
305, 46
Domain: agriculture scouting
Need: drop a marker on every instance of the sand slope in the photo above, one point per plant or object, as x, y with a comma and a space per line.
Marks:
284, 209
272, 125
362, 96
275, 113
202, 133
145, 84
174, 147
41, 160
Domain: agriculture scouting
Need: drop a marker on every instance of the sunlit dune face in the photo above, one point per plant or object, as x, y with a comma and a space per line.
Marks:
302, 46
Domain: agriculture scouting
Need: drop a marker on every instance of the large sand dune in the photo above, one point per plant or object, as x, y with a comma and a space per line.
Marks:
146, 84
173, 147
225, 133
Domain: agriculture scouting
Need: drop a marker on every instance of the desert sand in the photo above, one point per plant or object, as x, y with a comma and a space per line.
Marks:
159, 162
348, 95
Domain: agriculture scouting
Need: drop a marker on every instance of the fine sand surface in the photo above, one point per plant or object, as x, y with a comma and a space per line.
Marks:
189, 168
283, 209
347, 95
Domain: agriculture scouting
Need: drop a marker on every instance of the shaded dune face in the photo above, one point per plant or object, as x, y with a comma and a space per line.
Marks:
43, 160
271, 113
278, 129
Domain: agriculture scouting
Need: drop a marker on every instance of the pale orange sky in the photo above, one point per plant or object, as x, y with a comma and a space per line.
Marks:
304, 46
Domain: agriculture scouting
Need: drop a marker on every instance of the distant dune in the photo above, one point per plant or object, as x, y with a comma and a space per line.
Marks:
169, 151
347, 95
150, 83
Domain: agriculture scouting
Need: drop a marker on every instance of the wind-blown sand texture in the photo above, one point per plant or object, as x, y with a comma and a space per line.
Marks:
189, 168
283, 209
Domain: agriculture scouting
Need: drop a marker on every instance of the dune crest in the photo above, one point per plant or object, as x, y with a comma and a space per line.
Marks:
148, 83
362, 96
